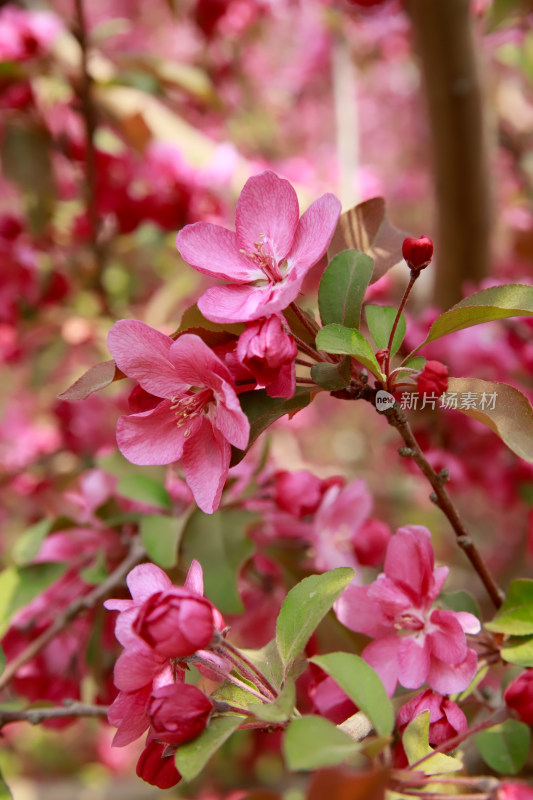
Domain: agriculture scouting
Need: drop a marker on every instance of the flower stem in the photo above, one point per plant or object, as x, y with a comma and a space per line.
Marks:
306, 321
412, 279
237, 656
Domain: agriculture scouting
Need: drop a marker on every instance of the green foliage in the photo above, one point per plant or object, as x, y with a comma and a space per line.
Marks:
29, 543
505, 747
460, 601
161, 536
96, 572
362, 685
342, 288
279, 710
515, 617
498, 302
518, 650
332, 376
144, 489
268, 660
263, 410
380, 320
511, 418
192, 756
501, 12
304, 607
219, 542
313, 742
347, 341
416, 746
20, 585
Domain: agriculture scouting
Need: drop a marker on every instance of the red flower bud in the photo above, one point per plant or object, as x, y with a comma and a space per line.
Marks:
519, 696
433, 379
514, 791
156, 769
179, 712
175, 623
265, 347
417, 252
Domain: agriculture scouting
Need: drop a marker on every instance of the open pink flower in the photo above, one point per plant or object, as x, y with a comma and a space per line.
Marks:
267, 257
199, 416
413, 642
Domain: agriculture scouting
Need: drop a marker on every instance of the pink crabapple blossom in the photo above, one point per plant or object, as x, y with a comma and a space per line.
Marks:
414, 643
267, 257
446, 720
269, 352
198, 417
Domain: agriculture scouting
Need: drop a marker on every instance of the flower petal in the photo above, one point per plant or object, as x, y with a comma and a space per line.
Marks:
136, 667
447, 637
413, 661
360, 613
195, 578
468, 622
151, 437
142, 353
451, 678
145, 580
409, 561
129, 713
196, 363
267, 212
382, 655
246, 303
214, 251
230, 419
206, 458
313, 234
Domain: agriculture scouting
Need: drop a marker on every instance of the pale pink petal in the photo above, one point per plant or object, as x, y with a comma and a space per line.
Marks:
142, 353
413, 661
214, 251
118, 605
409, 561
285, 383
246, 303
454, 715
382, 655
267, 212
124, 628
313, 234
468, 622
439, 576
151, 437
360, 613
206, 458
196, 363
447, 637
195, 578
145, 580
129, 713
451, 678
230, 419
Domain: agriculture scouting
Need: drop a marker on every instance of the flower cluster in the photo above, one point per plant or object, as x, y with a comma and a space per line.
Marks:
161, 628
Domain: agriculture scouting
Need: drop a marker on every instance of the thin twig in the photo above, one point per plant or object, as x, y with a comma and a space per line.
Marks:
35, 716
77, 607
303, 363
305, 319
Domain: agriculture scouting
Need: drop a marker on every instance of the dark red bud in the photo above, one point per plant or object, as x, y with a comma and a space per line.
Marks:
519, 696
433, 379
179, 712
175, 623
155, 769
417, 252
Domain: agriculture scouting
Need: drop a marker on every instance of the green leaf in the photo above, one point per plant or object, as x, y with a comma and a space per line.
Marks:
29, 543
192, 756
460, 601
305, 606
161, 536
332, 376
5, 792
2, 662
416, 746
20, 585
97, 377
96, 572
505, 11
498, 302
362, 685
505, 747
515, 616
511, 418
263, 410
343, 286
347, 341
518, 650
193, 318
380, 320
144, 489
219, 542
269, 662
279, 710
313, 742
227, 692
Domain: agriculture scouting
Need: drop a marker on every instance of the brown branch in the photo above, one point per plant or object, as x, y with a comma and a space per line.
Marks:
451, 76
77, 607
35, 716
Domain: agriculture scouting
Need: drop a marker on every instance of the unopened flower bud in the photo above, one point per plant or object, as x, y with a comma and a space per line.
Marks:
179, 712
156, 769
519, 696
417, 252
381, 356
433, 379
265, 347
175, 623
514, 791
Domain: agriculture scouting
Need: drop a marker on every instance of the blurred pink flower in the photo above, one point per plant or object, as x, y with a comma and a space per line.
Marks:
25, 34
268, 256
199, 417
413, 642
